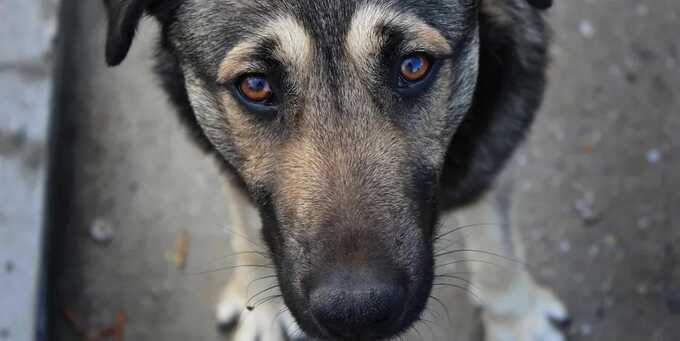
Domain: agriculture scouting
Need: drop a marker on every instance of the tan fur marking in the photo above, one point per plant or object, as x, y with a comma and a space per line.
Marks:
235, 60
250, 137
294, 47
495, 9
364, 41
319, 176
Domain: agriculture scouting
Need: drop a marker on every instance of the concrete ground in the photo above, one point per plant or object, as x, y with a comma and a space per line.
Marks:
27, 30
598, 193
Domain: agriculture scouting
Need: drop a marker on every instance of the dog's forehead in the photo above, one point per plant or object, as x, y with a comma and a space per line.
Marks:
331, 19
208, 29
330, 30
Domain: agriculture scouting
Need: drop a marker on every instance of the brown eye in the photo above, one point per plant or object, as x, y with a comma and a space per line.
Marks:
415, 67
255, 88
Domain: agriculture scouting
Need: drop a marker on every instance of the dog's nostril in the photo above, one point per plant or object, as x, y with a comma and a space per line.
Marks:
349, 307
356, 311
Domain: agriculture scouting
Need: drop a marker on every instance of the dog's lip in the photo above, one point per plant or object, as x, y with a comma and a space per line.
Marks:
326, 335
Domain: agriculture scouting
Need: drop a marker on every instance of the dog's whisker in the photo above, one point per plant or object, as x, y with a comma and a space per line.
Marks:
257, 280
463, 227
454, 273
297, 333
443, 237
276, 318
464, 289
430, 325
469, 260
415, 328
450, 275
448, 245
262, 254
464, 280
434, 314
446, 310
488, 253
255, 266
262, 301
261, 292
240, 235
408, 332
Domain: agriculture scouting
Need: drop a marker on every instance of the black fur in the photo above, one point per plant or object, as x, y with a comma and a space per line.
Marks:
510, 89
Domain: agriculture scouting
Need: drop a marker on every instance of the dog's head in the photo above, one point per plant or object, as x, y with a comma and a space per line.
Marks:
337, 115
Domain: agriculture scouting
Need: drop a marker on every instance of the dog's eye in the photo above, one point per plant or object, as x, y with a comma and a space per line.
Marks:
415, 67
414, 74
255, 88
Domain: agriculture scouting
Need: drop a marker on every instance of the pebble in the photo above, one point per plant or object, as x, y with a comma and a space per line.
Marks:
159, 290
586, 29
653, 156
643, 223
565, 246
9, 266
594, 250
586, 329
101, 231
606, 286
522, 159
615, 71
642, 289
608, 302
611, 240
526, 187
642, 10
556, 181
579, 278
585, 207
620, 256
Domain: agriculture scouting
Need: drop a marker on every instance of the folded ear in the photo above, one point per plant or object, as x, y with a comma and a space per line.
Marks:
541, 4
124, 17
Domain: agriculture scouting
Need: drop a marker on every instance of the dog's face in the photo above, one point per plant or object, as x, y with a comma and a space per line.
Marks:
337, 115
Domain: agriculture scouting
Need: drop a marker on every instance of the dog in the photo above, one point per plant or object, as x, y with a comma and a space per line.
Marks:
352, 132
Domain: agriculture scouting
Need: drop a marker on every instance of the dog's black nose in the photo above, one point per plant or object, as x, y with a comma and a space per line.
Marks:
351, 303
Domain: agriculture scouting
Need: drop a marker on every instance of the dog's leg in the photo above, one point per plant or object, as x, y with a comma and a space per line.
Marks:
515, 307
248, 309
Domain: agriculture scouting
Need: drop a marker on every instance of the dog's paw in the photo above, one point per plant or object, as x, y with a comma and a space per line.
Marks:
265, 322
545, 320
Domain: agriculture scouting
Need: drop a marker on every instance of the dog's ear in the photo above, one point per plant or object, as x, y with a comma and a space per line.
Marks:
124, 16
541, 4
